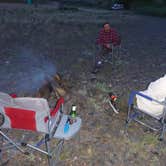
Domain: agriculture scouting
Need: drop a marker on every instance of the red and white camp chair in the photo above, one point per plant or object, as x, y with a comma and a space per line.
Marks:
34, 114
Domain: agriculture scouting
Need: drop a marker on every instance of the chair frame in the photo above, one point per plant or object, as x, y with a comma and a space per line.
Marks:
134, 114
110, 56
45, 140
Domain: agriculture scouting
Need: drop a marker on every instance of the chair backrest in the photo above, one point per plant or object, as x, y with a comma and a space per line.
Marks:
30, 113
6, 99
24, 113
31, 103
147, 104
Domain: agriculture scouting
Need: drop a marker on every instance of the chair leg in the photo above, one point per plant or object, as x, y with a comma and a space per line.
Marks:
131, 115
94, 60
47, 146
163, 123
112, 54
119, 50
128, 121
11, 142
128, 118
59, 149
162, 132
126, 126
56, 153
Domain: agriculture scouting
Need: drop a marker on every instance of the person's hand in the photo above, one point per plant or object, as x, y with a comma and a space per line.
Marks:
108, 46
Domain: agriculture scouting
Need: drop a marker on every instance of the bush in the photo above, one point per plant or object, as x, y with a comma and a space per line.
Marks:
153, 11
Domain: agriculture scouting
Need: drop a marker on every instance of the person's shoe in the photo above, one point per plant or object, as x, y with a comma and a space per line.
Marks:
99, 63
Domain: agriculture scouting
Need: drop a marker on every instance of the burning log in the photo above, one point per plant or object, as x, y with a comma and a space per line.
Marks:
53, 84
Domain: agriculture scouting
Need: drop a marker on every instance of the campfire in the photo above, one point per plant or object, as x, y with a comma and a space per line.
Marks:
54, 84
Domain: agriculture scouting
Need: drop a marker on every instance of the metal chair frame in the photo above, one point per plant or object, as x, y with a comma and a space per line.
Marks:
116, 50
135, 114
24, 147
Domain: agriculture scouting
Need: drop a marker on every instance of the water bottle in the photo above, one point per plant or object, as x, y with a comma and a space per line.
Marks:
66, 127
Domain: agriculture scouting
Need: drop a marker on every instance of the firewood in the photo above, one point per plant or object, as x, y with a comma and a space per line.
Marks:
60, 91
52, 85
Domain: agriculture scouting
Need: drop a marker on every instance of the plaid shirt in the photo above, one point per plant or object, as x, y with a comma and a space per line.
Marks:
108, 37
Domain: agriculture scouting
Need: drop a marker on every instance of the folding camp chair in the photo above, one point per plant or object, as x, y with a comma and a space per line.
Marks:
156, 122
34, 114
109, 58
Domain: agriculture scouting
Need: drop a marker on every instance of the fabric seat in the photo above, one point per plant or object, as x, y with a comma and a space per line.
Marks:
135, 112
157, 91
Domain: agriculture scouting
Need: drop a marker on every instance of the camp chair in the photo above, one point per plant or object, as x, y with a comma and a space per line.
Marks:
145, 117
34, 114
109, 58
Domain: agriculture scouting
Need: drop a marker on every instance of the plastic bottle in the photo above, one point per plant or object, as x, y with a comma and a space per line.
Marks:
66, 127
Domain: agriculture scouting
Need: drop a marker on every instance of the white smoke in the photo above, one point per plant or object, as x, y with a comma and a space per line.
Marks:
26, 71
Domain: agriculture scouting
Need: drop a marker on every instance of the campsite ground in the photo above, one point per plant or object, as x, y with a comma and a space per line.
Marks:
66, 39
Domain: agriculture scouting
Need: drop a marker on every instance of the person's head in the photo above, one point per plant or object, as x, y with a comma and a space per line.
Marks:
106, 27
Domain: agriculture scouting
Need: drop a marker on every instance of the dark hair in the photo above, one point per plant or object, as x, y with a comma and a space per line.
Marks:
106, 23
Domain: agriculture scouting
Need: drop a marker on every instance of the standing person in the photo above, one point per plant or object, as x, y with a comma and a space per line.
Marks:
106, 38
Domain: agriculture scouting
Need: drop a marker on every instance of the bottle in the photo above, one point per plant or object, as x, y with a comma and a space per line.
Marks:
73, 111
66, 127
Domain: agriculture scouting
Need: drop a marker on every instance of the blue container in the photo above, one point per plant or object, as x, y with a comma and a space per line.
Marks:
66, 127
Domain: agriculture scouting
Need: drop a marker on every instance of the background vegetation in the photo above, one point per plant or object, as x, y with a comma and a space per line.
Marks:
148, 7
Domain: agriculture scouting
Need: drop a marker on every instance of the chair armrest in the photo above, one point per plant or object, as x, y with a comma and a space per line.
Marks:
57, 107
55, 110
134, 93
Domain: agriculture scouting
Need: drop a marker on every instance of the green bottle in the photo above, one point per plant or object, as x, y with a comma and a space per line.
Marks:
73, 111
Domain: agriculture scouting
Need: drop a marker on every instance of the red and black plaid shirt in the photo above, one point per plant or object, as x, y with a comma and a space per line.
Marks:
108, 37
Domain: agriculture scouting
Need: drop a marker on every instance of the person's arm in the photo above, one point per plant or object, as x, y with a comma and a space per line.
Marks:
116, 40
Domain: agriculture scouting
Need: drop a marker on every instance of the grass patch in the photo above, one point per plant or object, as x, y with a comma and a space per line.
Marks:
150, 139
144, 146
103, 87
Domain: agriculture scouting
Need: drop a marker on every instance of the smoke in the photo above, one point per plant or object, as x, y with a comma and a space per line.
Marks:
26, 71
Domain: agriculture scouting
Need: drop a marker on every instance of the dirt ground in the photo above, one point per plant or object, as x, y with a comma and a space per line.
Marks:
38, 42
